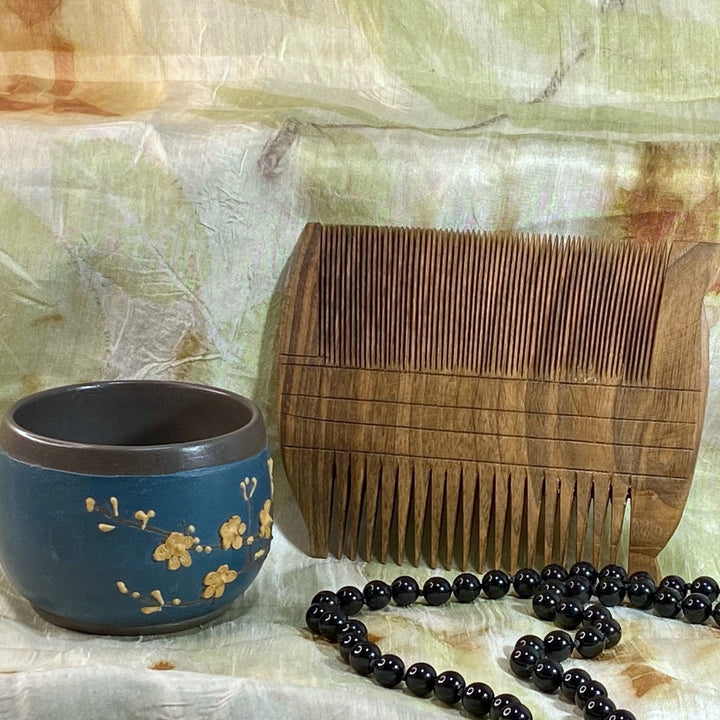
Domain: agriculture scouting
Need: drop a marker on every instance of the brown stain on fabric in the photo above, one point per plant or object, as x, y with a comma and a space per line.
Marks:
162, 665
48, 319
79, 106
191, 346
38, 31
675, 197
31, 28
64, 65
32, 12
470, 639
645, 678
30, 383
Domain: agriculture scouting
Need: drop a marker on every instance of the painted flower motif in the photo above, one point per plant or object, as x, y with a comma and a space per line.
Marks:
175, 550
266, 520
216, 581
231, 533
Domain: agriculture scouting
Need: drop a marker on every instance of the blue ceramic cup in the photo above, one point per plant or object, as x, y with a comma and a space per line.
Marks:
133, 507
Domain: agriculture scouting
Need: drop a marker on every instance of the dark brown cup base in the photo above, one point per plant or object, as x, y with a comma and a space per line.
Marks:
100, 629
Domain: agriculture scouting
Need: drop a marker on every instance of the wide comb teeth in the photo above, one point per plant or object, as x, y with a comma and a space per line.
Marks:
464, 513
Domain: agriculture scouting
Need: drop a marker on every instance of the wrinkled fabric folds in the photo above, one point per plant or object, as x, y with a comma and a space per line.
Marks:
160, 160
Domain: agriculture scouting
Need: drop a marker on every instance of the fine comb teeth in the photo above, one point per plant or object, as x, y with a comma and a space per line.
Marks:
459, 394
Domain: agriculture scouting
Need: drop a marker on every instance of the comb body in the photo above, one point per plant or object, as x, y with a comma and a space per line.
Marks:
473, 397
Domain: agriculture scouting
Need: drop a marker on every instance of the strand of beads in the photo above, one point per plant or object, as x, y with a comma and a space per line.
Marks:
330, 614
561, 596
540, 661
671, 597
557, 595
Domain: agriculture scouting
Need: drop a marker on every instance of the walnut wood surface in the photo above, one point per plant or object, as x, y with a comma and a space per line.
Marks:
473, 397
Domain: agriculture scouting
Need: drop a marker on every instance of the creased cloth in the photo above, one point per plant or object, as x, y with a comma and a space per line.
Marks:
159, 161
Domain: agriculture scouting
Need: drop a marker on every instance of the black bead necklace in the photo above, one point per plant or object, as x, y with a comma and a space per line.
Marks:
557, 595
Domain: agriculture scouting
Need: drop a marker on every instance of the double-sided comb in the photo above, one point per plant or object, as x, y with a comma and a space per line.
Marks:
459, 394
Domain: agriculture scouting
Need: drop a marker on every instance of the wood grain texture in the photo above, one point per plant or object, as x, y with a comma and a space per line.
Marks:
452, 392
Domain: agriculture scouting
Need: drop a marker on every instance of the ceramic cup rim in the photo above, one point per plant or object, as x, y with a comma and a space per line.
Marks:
91, 458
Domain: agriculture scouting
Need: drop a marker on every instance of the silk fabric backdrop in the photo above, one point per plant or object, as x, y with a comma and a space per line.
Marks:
160, 161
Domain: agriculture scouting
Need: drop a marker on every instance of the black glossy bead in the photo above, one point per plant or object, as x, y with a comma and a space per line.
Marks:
620, 715
389, 671
377, 594
705, 586
500, 702
547, 675
579, 587
640, 575
612, 631
613, 571
330, 621
312, 618
526, 582
437, 591
641, 593
496, 584
466, 587
516, 712
587, 690
347, 642
477, 699
696, 608
363, 657
571, 681
327, 598
598, 708
716, 614
569, 613
420, 679
523, 660
554, 572
556, 587
352, 625
544, 605
668, 602
351, 599
558, 645
589, 642
449, 687
584, 569
610, 591
405, 590
533, 641
676, 582
595, 612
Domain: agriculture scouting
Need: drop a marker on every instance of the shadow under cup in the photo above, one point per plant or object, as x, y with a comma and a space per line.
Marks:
131, 507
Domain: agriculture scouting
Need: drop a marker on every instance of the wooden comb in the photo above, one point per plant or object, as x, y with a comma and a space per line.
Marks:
458, 394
